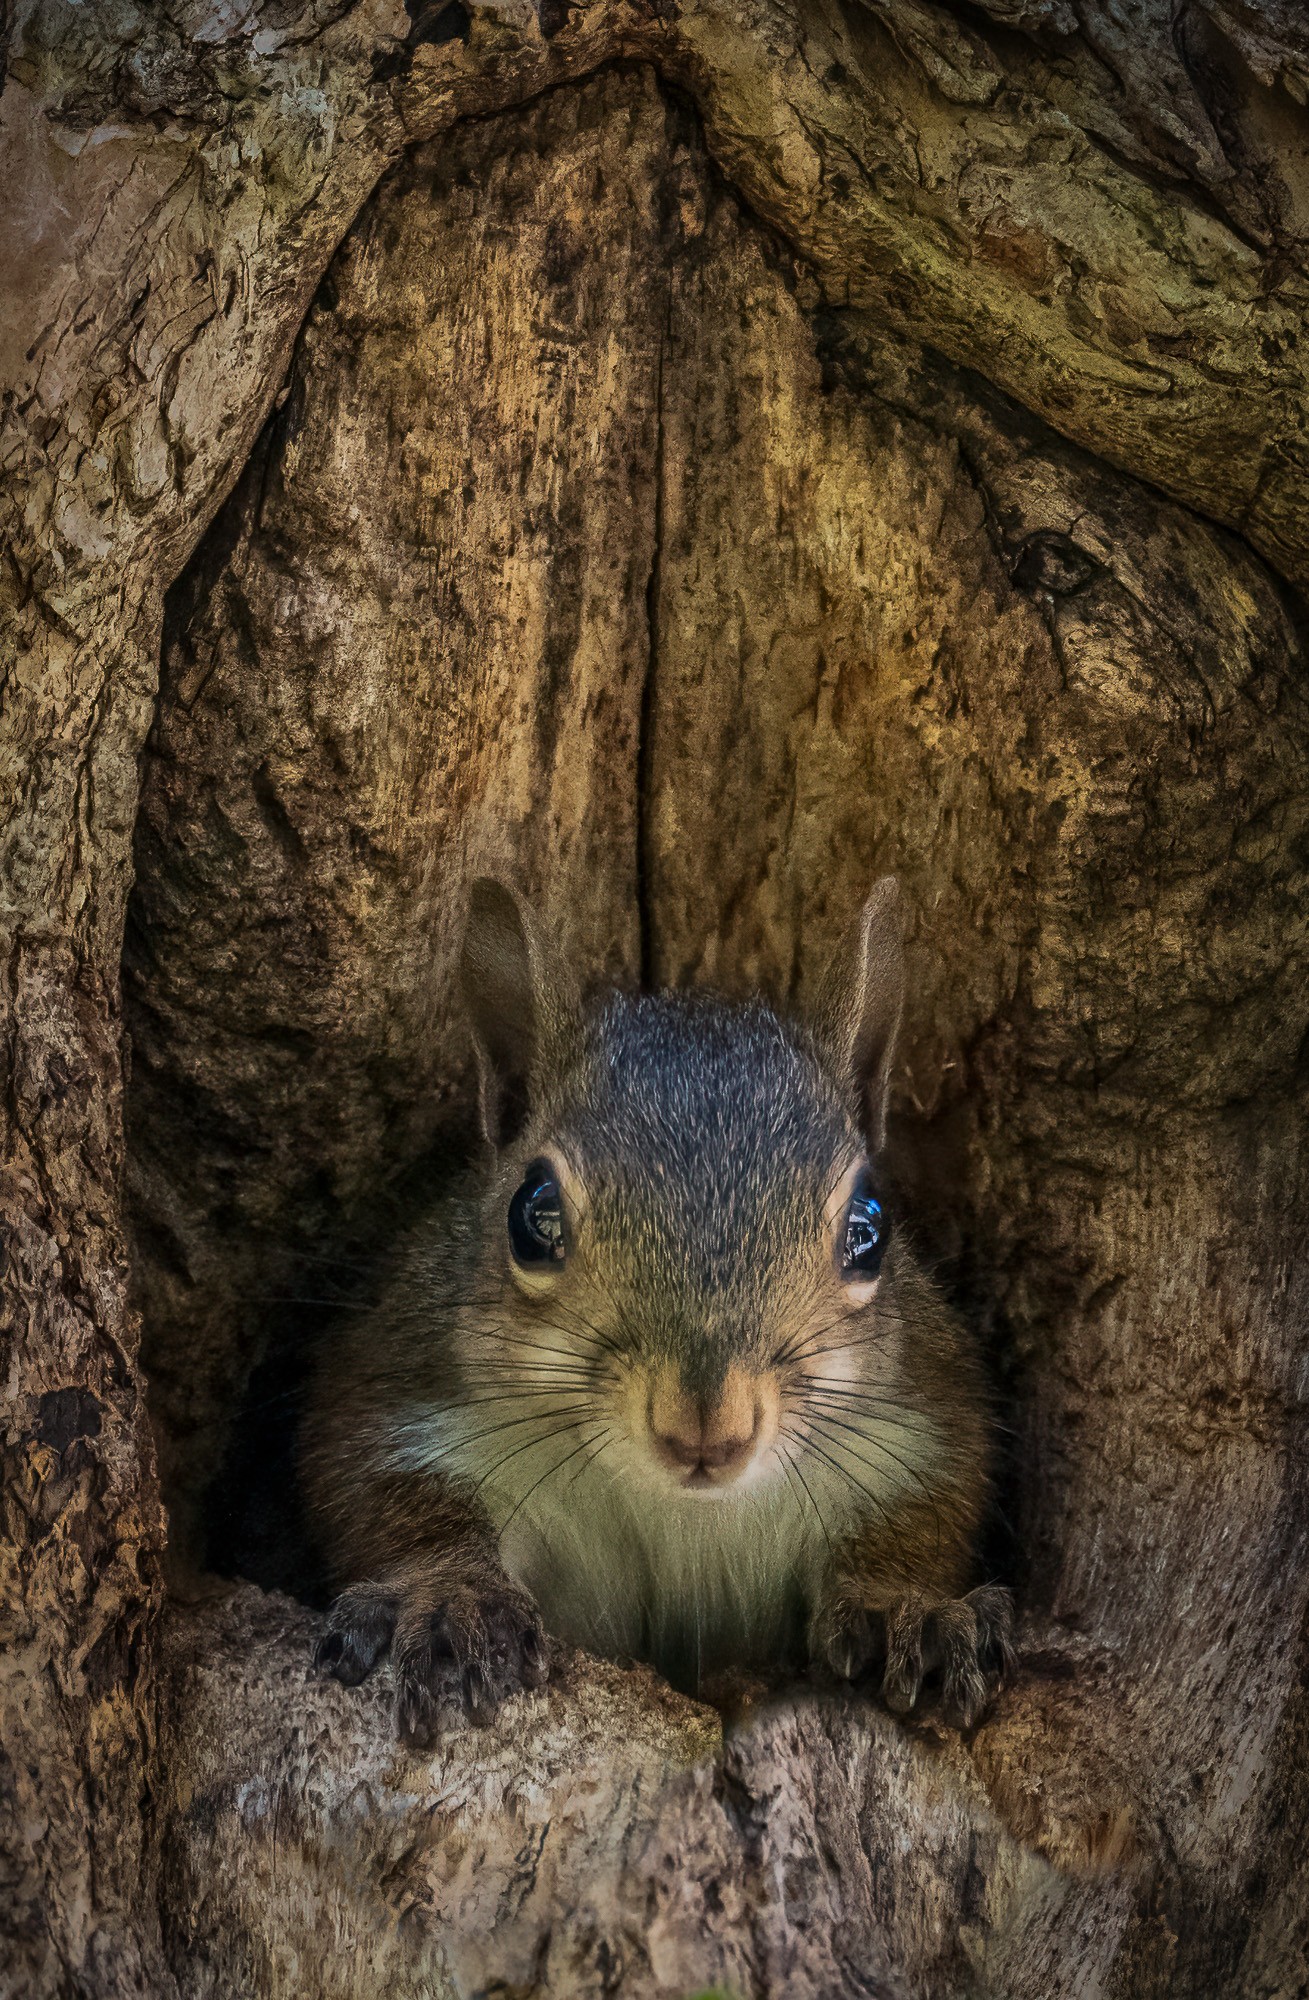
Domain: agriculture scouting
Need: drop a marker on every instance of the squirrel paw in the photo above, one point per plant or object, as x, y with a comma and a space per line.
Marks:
957, 1649
472, 1646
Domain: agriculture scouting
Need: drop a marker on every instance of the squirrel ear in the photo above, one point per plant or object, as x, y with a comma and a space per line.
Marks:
860, 1004
523, 1004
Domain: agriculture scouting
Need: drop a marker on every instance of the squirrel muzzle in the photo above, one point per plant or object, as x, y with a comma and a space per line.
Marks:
709, 1443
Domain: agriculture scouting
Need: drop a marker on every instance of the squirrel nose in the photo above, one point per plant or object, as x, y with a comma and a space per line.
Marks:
692, 1447
695, 1436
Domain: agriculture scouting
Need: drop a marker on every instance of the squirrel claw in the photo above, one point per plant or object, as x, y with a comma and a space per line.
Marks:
359, 1628
467, 1646
953, 1653
536, 1667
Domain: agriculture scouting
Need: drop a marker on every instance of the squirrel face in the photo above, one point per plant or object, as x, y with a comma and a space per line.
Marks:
685, 1221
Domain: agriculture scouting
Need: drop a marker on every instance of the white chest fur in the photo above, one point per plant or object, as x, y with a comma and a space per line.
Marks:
692, 1584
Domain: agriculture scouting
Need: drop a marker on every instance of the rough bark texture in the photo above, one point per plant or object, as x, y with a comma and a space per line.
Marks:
549, 1859
614, 524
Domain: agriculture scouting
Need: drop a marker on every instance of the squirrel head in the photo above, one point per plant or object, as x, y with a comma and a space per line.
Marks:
686, 1229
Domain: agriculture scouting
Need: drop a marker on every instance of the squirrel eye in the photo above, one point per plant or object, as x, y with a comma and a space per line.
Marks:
867, 1228
536, 1221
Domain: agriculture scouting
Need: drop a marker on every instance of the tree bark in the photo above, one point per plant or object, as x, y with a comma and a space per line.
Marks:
691, 457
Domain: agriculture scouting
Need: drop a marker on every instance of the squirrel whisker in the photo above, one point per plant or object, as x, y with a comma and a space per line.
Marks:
540, 1346
859, 1485
865, 1437
549, 1473
300, 1299
848, 1394
789, 1459
528, 1446
606, 1439
513, 1396
510, 1423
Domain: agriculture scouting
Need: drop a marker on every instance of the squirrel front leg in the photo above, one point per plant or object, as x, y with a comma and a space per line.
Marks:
895, 1610
433, 1592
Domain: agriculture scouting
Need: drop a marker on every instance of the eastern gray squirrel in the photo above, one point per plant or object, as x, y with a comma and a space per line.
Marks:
663, 1379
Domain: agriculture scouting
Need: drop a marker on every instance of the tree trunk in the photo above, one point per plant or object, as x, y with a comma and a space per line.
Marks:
688, 458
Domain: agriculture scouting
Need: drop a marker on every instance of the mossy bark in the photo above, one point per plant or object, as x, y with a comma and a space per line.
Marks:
691, 458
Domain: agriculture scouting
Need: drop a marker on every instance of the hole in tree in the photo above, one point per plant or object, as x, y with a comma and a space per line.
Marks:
563, 563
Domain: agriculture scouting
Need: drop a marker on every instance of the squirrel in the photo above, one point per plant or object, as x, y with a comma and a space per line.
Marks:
664, 1378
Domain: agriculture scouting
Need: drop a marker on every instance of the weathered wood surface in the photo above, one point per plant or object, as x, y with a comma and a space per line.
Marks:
1105, 220
608, 1837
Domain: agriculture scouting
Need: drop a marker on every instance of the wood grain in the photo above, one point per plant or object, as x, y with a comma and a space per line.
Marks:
1023, 621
